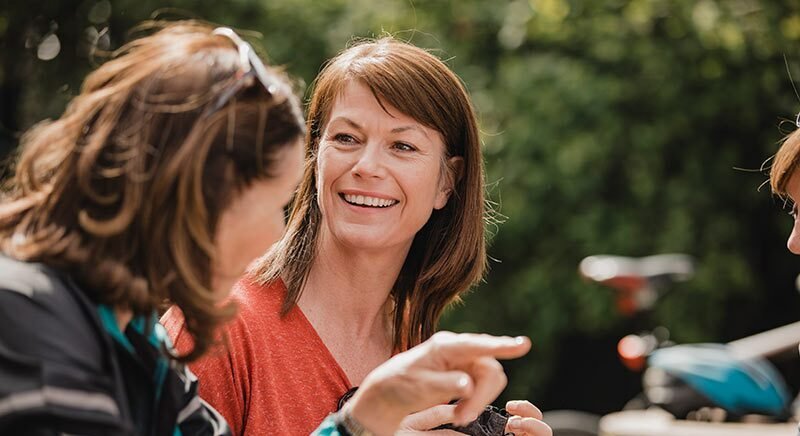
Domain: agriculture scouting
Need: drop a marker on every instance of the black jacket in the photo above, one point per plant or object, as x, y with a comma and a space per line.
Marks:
65, 367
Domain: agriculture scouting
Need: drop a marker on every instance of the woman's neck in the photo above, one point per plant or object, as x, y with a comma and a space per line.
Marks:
349, 289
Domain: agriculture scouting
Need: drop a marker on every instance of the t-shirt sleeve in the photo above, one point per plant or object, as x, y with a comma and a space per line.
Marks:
222, 383
53, 374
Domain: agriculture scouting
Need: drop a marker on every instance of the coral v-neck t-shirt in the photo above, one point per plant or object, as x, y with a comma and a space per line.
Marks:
275, 376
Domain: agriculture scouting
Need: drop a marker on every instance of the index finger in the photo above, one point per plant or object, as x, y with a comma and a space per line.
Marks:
431, 417
461, 348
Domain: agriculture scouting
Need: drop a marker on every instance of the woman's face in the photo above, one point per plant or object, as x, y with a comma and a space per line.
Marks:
793, 189
379, 172
254, 220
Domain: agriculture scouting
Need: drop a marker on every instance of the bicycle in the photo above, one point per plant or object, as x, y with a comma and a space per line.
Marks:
705, 388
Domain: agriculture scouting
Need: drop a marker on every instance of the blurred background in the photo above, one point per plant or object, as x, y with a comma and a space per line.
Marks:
621, 127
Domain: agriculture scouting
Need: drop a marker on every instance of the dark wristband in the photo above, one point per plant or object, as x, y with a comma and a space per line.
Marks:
349, 426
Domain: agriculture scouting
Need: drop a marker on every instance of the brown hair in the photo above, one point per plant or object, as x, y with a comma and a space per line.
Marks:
785, 163
448, 255
124, 191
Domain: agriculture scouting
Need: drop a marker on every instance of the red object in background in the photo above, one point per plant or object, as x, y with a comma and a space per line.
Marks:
633, 351
634, 278
626, 304
628, 284
627, 287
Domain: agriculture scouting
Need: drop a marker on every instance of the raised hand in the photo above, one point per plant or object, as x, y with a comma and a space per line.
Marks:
446, 366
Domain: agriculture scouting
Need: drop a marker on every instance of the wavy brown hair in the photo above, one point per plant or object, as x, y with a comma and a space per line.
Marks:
124, 190
448, 255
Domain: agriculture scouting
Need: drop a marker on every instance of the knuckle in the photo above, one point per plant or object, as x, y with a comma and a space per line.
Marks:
490, 365
439, 339
502, 379
442, 336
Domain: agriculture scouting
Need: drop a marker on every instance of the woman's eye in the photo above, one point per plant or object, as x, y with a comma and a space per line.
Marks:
344, 138
402, 146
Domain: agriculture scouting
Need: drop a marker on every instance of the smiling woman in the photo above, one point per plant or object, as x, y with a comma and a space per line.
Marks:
386, 230
380, 178
395, 114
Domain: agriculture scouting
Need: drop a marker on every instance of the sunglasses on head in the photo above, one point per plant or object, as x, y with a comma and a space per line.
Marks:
252, 70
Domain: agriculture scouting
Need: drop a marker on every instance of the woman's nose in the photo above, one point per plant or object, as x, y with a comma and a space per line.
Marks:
370, 162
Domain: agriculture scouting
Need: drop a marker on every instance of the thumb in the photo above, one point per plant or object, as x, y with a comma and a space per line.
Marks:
430, 418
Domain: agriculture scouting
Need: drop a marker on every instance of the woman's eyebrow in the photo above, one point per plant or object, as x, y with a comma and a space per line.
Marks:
352, 123
410, 127
347, 121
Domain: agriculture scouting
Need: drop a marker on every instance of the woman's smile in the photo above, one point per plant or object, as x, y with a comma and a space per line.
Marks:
367, 200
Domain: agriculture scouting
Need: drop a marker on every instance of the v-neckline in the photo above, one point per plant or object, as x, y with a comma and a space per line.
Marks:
316, 337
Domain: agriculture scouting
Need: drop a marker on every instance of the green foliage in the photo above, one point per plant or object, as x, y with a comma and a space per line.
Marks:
621, 124
610, 127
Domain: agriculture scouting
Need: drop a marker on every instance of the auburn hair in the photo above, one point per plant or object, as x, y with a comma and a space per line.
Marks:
785, 163
448, 255
124, 191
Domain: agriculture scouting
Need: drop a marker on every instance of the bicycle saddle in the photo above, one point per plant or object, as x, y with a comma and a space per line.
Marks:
628, 273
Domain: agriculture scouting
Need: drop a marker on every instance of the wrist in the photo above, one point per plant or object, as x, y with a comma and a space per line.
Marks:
349, 424
372, 415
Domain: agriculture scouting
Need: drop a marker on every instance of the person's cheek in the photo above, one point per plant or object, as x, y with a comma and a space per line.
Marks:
794, 238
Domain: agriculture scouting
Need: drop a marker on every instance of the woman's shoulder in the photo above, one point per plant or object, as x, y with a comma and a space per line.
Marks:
41, 308
256, 298
259, 309
31, 282
258, 313
50, 340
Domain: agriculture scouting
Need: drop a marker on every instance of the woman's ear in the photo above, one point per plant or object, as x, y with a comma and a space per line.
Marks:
453, 172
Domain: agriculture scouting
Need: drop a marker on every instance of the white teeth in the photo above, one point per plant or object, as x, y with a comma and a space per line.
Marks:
368, 201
